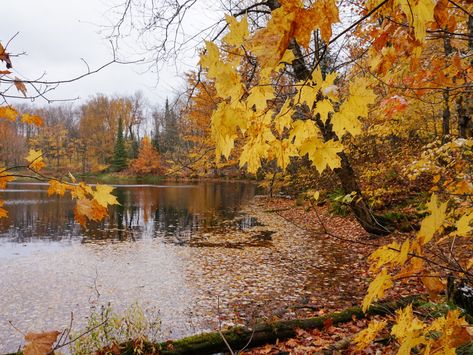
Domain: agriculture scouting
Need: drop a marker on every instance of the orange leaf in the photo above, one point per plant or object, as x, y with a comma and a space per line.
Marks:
8, 113
3, 212
32, 119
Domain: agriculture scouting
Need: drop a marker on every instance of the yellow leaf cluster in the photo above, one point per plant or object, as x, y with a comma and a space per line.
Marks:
364, 338
91, 203
443, 336
35, 159
376, 289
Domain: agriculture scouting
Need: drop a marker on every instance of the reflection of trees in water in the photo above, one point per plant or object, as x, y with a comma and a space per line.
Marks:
173, 213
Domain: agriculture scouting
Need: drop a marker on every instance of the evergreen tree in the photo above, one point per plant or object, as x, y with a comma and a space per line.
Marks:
119, 161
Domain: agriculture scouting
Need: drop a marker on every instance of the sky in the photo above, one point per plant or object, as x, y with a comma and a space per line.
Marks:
57, 34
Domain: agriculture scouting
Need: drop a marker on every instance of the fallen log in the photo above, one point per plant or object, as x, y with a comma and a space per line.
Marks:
264, 333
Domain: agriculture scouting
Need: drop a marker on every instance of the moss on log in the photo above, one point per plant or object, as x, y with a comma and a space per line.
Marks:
263, 333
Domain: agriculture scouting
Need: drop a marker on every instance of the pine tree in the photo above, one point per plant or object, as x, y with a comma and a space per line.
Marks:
119, 161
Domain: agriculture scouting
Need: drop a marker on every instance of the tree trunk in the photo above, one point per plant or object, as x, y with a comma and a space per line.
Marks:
345, 173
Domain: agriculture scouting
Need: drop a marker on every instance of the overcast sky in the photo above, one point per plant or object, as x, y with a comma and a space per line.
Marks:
56, 34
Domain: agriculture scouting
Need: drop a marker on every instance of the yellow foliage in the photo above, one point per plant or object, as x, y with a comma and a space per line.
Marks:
376, 289
433, 222
364, 338
35, 159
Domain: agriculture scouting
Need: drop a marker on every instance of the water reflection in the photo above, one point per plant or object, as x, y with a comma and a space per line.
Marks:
171, 212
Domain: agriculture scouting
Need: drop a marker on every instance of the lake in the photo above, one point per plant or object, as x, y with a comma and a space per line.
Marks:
199, 253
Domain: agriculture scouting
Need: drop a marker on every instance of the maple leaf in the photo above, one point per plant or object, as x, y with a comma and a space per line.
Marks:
419, 14
376, 289
463, 225
433, 284
57, 187
453, 333
329, 10
40, 343
389, 254
408, 330
20, 86
283, 150
322, 154
5, 178
103, 196
8, 113
35, 158
3, 212
433, 222
238, 31
5, 57
283, 118
259, 95
302, 130
210, 59
324, 107
346, 119
364, 338
32, 119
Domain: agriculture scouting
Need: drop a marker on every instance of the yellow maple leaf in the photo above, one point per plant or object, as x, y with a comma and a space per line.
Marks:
376, 289
283, 150
324, 107
464, 225
210, 59
259, 95
322, 154
302, 130
392, 253
283, 118
346, 119
408, 330
364, 338
35, 158
56, 187
8, 113
103, 196
238, 31
32, 119
433, 222
453, 333
419, 13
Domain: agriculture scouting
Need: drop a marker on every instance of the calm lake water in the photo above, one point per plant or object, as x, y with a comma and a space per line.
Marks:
195, 252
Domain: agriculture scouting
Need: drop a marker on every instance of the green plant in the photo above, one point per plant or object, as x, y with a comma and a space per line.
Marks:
106, 328
338, 204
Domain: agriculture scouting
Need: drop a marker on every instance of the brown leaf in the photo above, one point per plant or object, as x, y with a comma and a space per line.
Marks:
20, 86
4, 56
40, 343
328, 323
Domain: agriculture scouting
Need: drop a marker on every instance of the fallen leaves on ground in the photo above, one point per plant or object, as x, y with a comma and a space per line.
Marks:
40, 343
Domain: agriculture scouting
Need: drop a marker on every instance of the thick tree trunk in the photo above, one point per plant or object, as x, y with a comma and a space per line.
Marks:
263, 333
345, 173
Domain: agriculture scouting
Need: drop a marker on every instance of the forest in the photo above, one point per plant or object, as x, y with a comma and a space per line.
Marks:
332, 145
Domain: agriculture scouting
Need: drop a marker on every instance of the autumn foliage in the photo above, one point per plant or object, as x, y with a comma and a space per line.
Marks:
388, 112
148, 161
